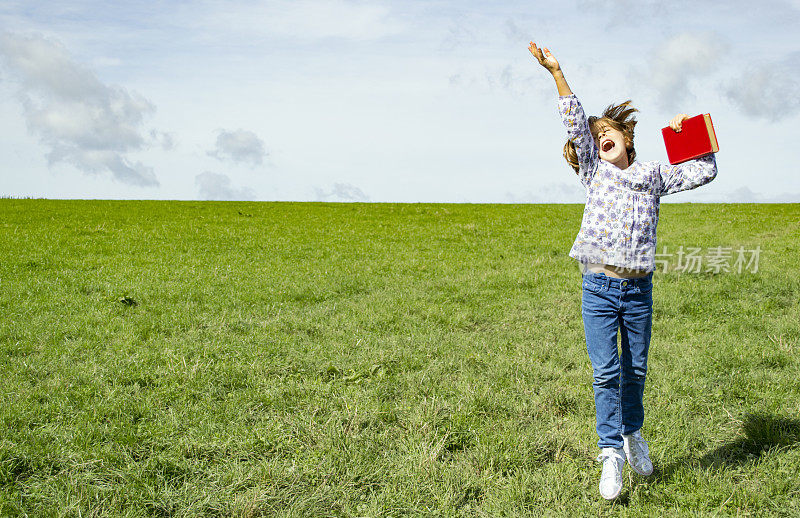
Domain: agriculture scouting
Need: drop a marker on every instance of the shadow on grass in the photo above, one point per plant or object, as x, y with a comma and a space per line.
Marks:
760, 433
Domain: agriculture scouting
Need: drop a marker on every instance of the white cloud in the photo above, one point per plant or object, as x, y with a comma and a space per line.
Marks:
341, 192
680, 60
514, 83
550, 193
768, 91
300, 19
164, 140
83, 121
239, 146
504, 78
515, 34
745, 195
215, 186
742, 194
460, 33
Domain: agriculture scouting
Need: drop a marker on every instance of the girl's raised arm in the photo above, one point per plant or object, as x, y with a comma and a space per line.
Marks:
548, 61
581, 150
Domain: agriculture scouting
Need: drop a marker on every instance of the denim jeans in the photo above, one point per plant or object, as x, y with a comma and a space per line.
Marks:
609, 305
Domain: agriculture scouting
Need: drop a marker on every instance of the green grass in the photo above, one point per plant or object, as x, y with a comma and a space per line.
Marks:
314, 359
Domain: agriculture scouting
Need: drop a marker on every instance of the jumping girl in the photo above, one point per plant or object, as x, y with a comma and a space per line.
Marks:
616, 249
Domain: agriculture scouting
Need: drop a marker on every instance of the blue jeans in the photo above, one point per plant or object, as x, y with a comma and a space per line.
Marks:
609, 305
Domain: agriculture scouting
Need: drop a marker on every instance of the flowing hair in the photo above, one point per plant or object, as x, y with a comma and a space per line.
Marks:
618, 116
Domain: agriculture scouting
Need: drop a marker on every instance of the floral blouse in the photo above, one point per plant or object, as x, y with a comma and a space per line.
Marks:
621, 212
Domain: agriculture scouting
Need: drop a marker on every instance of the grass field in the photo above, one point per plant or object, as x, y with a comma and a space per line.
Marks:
314, 359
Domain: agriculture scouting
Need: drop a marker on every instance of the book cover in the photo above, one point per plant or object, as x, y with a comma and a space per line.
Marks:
696, 139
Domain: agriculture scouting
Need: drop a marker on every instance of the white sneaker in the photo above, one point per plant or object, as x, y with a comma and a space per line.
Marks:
638, 453
613, 460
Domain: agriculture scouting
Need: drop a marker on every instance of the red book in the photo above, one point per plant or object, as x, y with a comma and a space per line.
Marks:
696, 139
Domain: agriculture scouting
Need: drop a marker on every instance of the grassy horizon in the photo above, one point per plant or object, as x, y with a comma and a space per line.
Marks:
171, 358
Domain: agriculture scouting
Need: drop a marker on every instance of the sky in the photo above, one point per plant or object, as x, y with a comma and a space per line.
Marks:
381, 101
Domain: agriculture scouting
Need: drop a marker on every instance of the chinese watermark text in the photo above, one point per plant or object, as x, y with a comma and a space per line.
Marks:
715, 259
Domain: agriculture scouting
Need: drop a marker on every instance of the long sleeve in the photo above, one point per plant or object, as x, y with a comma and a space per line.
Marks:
578, 133
688, 175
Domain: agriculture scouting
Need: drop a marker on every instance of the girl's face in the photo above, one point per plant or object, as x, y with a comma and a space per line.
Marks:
612, 145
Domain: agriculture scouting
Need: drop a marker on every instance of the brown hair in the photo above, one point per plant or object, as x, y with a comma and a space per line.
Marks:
619, 117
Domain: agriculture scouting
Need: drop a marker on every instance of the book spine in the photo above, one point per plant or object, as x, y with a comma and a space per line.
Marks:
712, 135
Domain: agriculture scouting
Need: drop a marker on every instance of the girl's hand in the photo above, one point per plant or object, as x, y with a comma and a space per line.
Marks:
546, 58
677, 122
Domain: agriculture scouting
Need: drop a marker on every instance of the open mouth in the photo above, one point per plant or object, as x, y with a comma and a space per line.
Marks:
607, 146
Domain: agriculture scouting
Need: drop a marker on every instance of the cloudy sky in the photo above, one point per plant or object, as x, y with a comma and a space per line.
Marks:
395, 101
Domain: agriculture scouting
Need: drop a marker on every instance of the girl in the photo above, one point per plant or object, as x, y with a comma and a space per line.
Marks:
616, 249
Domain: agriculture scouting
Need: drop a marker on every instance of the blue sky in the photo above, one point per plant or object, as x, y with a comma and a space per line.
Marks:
337, 100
